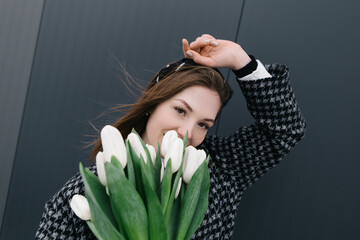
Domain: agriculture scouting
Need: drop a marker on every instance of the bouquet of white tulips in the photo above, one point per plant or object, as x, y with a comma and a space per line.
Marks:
139, 195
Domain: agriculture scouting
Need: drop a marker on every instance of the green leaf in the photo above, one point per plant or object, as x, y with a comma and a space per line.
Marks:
166, 186
149, 171
146, 170
158, 171
128, 207
137, 170
116, 162
157, 227
149, 162
202, 205
185, 139
173, 191
101, 213
191, 199
130, 166
94, 230
182, 192
174, 219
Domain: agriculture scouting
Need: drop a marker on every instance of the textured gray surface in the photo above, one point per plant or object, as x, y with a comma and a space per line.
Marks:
74, 79
313, 194
19, 24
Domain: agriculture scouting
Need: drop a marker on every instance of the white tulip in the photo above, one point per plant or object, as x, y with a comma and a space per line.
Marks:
137, 146
192, 160
168, 138
201, 156
175, 152
178, 188
113, 145
152, 153
100, 167
162, 170
80, 205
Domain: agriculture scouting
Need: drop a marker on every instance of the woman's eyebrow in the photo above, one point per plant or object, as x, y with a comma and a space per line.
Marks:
191, 110
185, 103
209, 120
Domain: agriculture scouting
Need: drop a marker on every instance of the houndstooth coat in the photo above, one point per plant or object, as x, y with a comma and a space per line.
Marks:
236, 161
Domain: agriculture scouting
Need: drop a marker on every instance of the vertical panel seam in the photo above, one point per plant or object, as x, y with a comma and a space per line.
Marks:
228, 71
22, 117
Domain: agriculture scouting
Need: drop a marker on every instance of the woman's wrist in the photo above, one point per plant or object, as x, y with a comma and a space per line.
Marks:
249, 68
241, 59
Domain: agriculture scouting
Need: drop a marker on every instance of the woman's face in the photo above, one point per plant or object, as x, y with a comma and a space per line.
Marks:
193, 109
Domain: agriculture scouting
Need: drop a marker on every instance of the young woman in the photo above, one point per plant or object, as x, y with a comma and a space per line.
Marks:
187, 96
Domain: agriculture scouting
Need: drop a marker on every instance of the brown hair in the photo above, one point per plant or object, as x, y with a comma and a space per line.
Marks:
158, 92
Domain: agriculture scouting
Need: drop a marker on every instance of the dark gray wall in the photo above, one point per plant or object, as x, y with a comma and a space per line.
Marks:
315, 192
75, 77
312, 194
19, 25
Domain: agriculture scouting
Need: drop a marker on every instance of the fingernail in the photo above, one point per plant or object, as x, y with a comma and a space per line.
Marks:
189, 54
207, 41
215, 43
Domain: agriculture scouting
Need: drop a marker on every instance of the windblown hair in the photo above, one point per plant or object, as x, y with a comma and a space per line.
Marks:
157, 92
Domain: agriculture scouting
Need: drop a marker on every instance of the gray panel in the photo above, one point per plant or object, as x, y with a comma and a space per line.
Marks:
314, 193
19, 24
75, 77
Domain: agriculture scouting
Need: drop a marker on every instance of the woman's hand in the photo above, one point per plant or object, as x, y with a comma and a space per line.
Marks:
217, 53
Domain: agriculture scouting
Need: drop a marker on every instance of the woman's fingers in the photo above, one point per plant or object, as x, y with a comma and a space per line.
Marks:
203, 60
208, 36
212, 52
202, 42
185, 46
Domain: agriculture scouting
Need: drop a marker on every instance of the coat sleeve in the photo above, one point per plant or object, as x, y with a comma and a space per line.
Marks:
58, 220
253, 150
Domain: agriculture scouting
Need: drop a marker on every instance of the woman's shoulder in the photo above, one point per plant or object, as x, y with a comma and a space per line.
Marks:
58, 220
212, 144
73, 186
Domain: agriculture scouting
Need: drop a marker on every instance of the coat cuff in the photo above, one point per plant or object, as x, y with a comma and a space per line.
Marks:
248, 69
254, 70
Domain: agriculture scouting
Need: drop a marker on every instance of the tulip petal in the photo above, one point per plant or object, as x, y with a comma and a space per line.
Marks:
80, 206
137, 146
190, 163
113, 144
152, 153
162, 171
100, 168
175, 152
167, 140
178, 188
192, 160
201, 156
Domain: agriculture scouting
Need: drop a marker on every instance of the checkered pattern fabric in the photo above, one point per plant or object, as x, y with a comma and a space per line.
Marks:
236, 161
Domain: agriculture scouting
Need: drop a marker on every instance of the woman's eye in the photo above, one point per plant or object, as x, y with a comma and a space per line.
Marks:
180, 110
204, 125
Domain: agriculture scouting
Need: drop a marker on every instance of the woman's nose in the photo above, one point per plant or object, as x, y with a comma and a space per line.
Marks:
182, 132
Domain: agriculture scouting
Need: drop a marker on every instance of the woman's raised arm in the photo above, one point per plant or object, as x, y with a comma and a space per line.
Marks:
216, 53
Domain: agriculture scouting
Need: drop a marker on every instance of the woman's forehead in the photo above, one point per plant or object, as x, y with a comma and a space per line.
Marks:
200, 98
